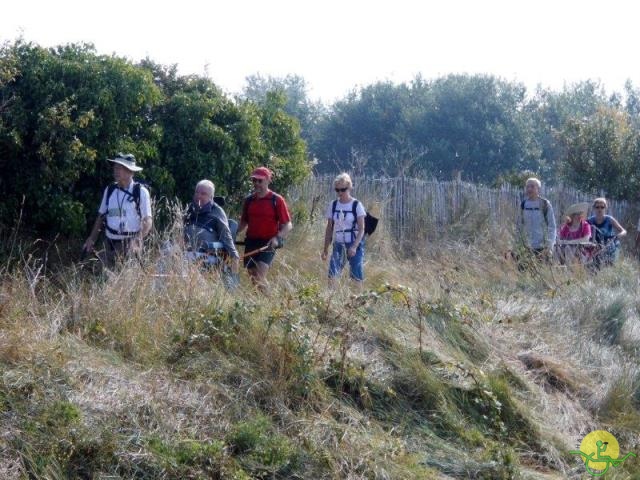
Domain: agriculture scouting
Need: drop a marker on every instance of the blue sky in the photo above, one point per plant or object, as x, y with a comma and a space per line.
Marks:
337, 45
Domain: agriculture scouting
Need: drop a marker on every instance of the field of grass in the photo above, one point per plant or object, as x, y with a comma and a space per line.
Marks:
450, 364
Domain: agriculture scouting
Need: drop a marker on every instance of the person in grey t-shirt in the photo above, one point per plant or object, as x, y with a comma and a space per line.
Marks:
537, 222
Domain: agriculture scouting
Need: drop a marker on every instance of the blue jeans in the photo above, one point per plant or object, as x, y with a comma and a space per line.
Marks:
339, 258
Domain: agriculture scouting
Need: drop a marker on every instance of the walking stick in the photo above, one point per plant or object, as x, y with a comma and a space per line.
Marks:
253, 252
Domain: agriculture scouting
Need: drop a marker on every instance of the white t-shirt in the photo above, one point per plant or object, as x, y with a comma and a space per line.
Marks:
122, 214
343, 220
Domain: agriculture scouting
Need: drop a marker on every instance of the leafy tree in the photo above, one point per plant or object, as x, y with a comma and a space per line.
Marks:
281, 137
206, 135
550, 111
477, 124
66, 109
603, 153
368, 123
297, 102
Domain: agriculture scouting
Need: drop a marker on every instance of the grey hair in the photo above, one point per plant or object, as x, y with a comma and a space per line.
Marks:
343, 178
208, 184
533, 180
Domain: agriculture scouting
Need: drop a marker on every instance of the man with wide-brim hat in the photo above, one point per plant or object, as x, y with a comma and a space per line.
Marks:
125, 212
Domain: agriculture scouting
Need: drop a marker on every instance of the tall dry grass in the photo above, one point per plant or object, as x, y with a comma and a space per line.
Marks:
450, 364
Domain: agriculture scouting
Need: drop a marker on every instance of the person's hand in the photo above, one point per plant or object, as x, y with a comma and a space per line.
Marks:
324, 255
276, 242
235, 265
136, 244
88, 245
352, 251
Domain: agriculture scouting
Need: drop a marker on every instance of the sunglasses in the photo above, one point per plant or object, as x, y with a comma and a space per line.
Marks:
257, 180
342, 189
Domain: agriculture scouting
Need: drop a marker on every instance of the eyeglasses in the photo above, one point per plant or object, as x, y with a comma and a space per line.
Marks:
599, 206
340, 190
257, 180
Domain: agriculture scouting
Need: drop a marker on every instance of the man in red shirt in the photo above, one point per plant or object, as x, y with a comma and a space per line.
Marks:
266, 217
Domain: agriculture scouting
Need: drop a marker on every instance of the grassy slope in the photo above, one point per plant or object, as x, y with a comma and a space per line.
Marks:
450, 365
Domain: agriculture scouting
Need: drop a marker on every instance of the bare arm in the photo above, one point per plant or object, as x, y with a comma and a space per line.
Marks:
145, 227
352, 250
93, 236
241, 226
283, 231
619, 228
328, 234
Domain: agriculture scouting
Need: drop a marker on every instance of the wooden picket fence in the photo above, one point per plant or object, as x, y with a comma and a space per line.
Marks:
409, 206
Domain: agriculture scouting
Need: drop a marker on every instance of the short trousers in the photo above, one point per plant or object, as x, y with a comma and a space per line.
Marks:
339, 258
264, 257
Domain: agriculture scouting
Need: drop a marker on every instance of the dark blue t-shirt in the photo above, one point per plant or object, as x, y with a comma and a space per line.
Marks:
604, 231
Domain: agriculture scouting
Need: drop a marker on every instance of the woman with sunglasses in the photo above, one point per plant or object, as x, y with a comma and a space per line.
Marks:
345, 228
606, 233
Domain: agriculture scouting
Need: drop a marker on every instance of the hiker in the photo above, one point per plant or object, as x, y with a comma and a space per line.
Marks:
206, 222
345, 228
573, 239
125, 212
576, 227
266, 217
607, 232
537, 222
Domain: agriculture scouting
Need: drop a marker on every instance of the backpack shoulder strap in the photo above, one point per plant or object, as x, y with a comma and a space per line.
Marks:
245, 205
545, 208
110, 189
354, 225
334, 204
136, 197
274, 201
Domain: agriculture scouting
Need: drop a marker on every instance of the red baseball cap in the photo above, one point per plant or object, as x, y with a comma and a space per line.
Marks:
262, 172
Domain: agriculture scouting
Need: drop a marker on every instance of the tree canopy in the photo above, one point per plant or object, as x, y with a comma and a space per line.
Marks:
64, 110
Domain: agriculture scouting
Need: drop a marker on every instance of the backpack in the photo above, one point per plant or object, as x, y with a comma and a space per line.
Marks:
133, 195
545, 207
249, 199
370, 222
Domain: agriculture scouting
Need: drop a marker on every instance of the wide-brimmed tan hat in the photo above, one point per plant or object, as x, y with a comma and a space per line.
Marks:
128, 161
582, 207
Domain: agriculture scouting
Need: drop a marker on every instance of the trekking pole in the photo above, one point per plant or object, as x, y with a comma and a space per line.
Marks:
254, 252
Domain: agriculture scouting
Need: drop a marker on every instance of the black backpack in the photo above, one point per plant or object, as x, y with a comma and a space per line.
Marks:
250, 198
370, 222
134, 195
